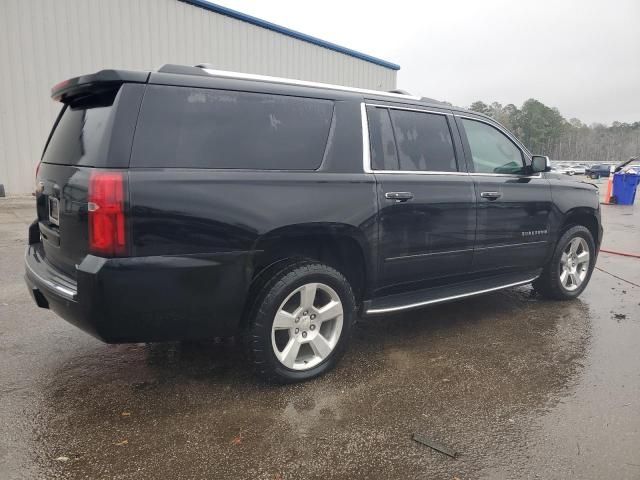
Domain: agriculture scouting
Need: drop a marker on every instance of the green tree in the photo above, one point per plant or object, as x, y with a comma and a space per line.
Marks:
480, 107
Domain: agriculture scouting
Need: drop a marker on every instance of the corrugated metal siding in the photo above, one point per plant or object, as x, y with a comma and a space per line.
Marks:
44, 41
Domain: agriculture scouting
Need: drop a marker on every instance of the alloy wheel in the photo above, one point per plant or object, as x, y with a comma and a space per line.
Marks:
574, 264
307, 326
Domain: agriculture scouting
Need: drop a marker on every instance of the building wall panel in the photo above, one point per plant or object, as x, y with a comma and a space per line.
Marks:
43, 42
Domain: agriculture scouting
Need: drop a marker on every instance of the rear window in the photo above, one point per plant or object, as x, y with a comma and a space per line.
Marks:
77, 137
203, 128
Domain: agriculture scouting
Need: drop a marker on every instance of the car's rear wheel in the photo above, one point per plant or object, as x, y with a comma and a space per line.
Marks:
569, 269
300, 322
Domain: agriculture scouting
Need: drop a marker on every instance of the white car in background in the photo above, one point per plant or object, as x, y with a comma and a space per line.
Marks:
579, 169
564, 168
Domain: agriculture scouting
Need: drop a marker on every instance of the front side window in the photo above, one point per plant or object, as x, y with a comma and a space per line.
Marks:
491, 150
424, 141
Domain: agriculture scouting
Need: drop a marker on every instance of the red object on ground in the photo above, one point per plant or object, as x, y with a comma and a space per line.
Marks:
634, 255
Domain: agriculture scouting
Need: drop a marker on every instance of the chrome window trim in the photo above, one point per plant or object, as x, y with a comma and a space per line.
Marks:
304, 83
420, 172
366, 146
373, 311
409, 109
512, 175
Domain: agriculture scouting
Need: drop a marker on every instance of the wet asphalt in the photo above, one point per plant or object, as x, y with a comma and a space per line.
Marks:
520, 387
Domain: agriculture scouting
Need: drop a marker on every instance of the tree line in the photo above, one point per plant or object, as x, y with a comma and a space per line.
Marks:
545, 131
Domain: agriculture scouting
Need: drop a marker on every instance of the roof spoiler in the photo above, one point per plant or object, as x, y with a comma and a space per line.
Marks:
101, 81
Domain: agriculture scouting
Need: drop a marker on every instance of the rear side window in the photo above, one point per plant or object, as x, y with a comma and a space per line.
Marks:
424, 141
383, 146
203, 128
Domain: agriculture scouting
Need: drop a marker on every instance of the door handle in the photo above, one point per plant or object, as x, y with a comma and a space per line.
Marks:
399, 196
491, 195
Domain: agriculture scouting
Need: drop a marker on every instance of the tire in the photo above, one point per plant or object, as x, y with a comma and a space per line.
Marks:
565, 276
300, 345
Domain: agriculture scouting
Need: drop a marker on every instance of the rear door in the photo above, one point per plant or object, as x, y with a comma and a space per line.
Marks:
426, 198
93, 131
513, 206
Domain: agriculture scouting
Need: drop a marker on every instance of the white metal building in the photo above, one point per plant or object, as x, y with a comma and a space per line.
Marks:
43, 42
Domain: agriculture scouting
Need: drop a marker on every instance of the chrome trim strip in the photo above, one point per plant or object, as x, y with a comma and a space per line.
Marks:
415, 172
304, 83
512, 175
374, 311
512, 245
366, 148
410, 109
64, 291
417, 255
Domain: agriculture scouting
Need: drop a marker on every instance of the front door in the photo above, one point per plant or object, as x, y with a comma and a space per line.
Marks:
426, 201
513, 206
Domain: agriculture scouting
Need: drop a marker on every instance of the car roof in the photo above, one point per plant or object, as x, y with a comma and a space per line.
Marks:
198, 71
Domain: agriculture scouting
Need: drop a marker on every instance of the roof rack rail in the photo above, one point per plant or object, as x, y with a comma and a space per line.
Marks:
209, 70
399, 91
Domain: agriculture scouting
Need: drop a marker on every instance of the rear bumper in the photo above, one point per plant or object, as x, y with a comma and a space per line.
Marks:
145, 299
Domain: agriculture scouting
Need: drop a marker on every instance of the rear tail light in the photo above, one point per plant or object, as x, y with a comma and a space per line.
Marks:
107, 235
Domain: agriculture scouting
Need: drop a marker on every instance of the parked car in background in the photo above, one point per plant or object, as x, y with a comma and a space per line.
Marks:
579, 169
189, 203
598, 170
564, 169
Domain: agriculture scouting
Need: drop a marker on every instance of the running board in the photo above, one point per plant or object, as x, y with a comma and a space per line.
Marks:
431, 296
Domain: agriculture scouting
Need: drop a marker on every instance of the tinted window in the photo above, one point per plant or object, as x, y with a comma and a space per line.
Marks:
202, 128
492, 151
78, 135
383, 147
424, 141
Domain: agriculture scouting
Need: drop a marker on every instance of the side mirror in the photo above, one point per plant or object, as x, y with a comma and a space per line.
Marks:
540, 163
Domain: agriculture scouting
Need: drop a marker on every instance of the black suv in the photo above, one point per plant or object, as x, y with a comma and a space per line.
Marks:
190, 203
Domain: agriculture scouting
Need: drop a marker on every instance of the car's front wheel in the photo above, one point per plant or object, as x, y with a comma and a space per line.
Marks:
568, 271
300, 322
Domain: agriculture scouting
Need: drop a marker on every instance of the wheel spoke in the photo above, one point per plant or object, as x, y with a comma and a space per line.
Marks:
564, 258
583, 257
330, 311
308, 295
320, 346
563, 278
575, 279
289, 353
284, 320
573, 248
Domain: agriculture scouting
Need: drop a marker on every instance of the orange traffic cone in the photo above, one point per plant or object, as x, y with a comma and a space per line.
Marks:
607, 197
